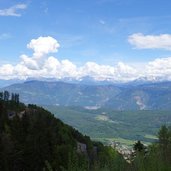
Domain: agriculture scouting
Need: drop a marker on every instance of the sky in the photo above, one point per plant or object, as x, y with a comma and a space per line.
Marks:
118, 40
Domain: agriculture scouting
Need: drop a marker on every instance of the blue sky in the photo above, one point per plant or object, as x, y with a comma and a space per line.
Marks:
105, 32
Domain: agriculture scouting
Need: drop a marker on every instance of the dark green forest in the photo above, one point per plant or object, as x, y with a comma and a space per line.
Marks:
32, 139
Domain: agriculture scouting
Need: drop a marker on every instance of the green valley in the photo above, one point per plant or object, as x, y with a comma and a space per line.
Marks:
106, 124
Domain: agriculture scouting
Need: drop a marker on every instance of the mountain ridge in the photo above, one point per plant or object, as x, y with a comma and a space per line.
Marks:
86, 80
130, 96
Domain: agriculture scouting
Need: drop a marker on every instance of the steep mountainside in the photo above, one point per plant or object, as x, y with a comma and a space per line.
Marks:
120, 97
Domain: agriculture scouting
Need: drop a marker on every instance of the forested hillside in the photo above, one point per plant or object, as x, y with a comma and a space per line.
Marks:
157, 157
31, 138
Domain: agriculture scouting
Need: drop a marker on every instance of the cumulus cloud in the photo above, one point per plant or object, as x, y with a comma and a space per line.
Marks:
12, 11
119, 72
140, 41
6, 70
40, 64
160, 67
43, 46
29, 62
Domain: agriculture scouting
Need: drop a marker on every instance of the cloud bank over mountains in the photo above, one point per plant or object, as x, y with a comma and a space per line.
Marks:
42, 64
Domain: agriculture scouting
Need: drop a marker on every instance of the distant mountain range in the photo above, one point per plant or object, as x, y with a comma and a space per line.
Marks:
4, 83
86, 80
136, 95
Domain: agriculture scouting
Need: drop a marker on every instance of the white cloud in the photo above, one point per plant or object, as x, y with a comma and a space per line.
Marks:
12, 11
30, 63
140, 41
120, 72
43, 46
6, 70
52, 64
160, 67
68, 69
40, 64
